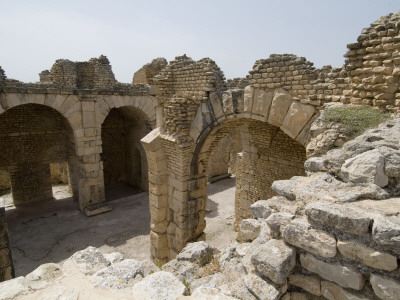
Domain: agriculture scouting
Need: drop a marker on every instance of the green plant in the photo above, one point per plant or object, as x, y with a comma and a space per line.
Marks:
355, 118
187, 286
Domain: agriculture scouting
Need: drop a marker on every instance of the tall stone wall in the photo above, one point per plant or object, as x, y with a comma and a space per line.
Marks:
373, 63
32, 136
146, 74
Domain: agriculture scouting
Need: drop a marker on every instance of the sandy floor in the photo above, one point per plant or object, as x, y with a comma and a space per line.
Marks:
52, 231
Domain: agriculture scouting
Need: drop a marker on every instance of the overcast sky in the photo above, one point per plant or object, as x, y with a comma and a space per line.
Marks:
131, 33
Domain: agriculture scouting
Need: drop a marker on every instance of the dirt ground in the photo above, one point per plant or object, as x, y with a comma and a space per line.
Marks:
51, 231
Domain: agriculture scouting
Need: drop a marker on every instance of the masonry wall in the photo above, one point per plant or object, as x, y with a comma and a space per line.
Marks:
6, 263
32, 137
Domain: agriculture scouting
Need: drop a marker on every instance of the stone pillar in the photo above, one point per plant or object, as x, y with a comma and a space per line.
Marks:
30, 182
6, 263
158, 195
91, 180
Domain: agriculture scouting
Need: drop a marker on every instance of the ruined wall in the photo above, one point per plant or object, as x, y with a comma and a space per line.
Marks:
93, 74
373, 63
32, 136
237, 83
146, 74
6, 263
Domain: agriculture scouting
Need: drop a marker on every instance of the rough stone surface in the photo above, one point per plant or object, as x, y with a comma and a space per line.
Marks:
339, 217
274, 260
384, 287
277, 222
368, 256
206, 293
119, 275
333, 291
309, 283
183, 270
386, 232
12, 288
367, 167
160, 285
262, 289
90, 260
250, 229
261, 209
392, 165
300, 234
198, 252
44, 275
345, 276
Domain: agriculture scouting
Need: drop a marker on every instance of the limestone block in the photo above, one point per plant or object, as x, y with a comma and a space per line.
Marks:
332, 291
216, 104
206, 293
392, 165
279, 107
248, 98
261, 210
339, 217
277, 222
119, 275
296, 118
183, 270
250, 229
368, 256
345, 276
300, 234
199, 252
309, 283
298, 296
227, 103
44, 275
159, 285
158, 240
274, 260
262, 289
385, 287
262, 102
386, 232
10, 289
88, 119
367, 167
314, 164
114, 257
89, 260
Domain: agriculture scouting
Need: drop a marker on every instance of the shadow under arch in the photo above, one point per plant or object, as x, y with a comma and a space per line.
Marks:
32, 137
268, 154
124, 159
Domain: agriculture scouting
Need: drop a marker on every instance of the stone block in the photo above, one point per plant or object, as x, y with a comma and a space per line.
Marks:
262, 102
261, 210
248, 98
262, 289
277, 223
250, 229
386, 232
366, 255
279, 107
296, 118
274, 260
332, 291
385, 287
339, 217
309, 283
300, 234
345, 276
367, 167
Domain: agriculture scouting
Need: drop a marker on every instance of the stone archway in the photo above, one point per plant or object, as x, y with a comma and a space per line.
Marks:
123, 156
32, 137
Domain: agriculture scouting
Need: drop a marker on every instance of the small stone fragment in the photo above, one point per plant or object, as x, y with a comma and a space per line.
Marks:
309, 283
250, 229
261, 210
385, 288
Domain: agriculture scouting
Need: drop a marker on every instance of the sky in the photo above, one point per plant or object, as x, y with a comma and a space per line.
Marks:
234, 33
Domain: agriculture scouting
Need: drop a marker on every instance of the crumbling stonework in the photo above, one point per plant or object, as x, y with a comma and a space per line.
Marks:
6, 262
181, 116
146, 74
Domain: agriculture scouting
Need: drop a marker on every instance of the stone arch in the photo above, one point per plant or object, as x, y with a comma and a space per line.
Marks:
124, 160
33, 136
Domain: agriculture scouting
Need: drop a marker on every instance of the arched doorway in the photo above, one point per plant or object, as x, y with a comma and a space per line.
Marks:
123, 156
37, 147
267, 154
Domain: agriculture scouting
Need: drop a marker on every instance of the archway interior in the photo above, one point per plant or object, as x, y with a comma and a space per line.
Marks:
32, 138
257, 153
124, 159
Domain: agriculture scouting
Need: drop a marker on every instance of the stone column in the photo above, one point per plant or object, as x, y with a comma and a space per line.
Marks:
30, 182
6, 263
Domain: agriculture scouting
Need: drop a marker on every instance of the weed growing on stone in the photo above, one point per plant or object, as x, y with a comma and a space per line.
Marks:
355, 118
